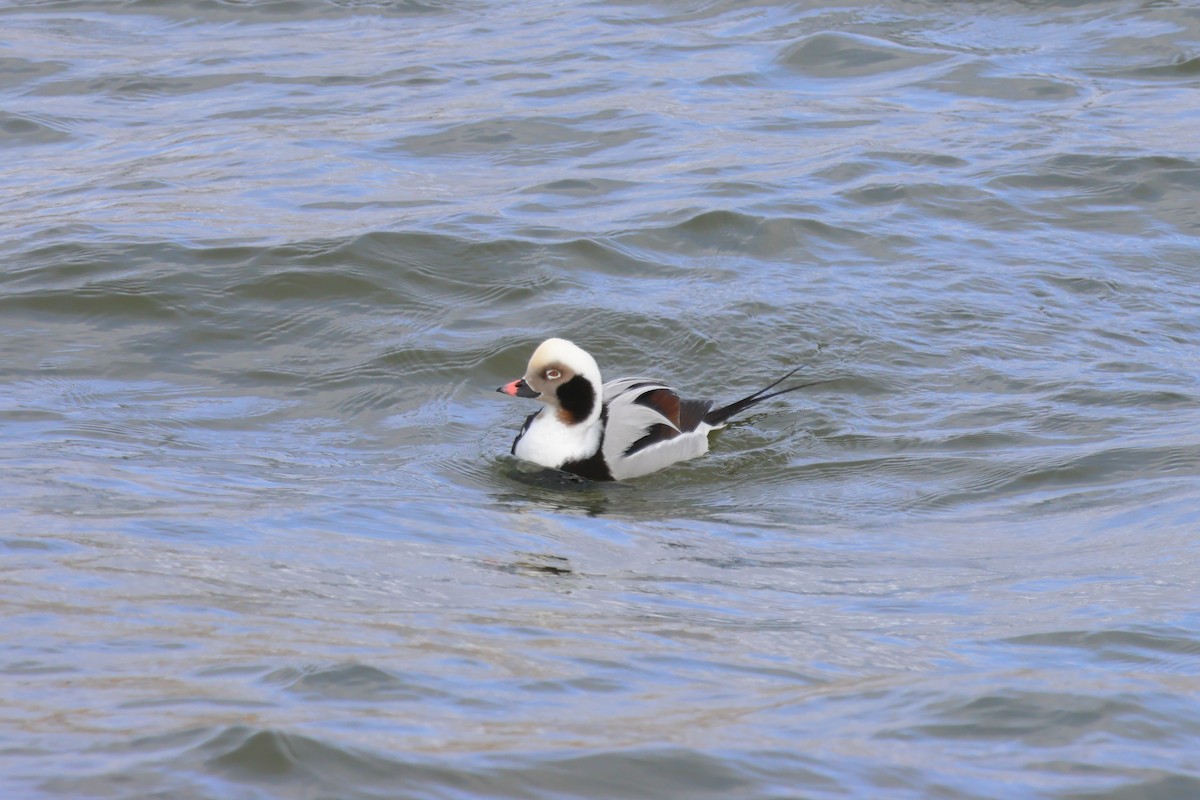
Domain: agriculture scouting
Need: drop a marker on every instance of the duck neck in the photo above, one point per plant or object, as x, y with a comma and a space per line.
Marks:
551, 442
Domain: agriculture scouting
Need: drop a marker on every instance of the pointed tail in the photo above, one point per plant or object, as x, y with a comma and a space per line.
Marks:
718, 415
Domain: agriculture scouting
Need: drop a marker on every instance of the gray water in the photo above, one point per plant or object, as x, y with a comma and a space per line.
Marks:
264, 263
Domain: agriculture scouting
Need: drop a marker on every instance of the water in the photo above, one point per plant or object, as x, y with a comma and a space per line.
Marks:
264, 264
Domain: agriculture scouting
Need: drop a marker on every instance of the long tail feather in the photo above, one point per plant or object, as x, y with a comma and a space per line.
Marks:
718, 415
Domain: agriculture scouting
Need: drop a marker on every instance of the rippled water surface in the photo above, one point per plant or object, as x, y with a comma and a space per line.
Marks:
264, 263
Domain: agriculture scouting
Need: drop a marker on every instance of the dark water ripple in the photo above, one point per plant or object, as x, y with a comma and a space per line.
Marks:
265, 262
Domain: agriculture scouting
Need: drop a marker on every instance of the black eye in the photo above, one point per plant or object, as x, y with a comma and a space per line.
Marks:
553, 374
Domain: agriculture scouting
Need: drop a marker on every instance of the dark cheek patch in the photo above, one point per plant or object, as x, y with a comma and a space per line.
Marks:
577, 399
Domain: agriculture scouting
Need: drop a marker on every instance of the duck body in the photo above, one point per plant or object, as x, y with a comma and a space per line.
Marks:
617, 430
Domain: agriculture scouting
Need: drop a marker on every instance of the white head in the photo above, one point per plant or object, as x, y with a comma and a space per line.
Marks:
564, 377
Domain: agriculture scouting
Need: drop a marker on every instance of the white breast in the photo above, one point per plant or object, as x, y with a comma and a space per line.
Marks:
550, 443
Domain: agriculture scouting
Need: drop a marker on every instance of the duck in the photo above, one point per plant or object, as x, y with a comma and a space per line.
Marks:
614, 431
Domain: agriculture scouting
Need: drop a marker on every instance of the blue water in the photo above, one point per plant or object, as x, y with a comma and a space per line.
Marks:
264, 264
